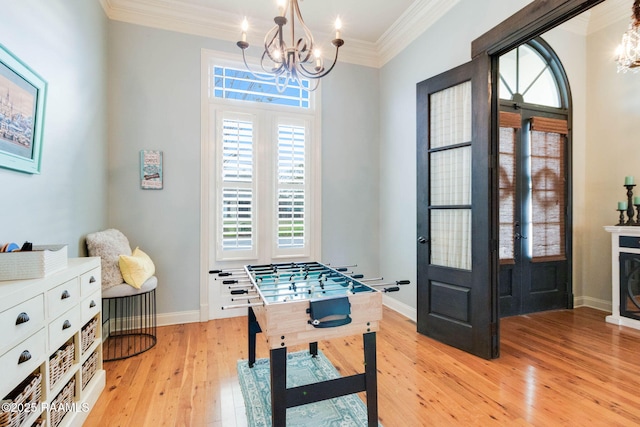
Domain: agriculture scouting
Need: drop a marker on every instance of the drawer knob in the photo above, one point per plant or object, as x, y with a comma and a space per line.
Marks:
65, 295
66, 325
92, 280
92, 304
24, 356
22, 318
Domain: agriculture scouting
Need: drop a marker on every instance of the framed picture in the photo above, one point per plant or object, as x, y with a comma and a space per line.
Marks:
22, 100
151, 169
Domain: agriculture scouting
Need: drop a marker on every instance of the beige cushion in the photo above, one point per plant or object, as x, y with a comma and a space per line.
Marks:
136, 268
109, 245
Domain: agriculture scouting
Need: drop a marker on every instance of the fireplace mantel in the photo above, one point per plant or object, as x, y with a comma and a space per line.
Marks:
624, 240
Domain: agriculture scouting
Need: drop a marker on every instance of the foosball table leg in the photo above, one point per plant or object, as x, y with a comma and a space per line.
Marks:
278, 366
254, 329
313, 349
370, 378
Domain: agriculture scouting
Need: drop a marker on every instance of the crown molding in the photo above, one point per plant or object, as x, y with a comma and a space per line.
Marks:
206, 22
412, 23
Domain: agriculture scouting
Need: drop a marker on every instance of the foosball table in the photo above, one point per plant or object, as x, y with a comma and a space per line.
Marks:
303, 303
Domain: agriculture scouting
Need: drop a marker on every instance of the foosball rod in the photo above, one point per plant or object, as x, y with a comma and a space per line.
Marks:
251, 304
394, 285
305, 289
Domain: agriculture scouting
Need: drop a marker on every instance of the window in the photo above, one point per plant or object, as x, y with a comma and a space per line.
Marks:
265, 169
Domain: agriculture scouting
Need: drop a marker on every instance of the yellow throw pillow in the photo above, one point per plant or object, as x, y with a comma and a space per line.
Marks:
137, 268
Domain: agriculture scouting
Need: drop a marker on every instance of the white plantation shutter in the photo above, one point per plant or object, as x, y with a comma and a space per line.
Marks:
237, 186
291, 186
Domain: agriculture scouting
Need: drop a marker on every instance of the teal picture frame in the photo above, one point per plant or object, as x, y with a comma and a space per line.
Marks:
23, 95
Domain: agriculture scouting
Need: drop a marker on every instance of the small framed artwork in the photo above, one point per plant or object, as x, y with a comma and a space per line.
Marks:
151, 169
23, 95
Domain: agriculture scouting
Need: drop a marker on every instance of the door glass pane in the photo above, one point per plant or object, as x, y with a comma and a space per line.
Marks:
548, 194
451, 238
450, 121
450, 177
507, 184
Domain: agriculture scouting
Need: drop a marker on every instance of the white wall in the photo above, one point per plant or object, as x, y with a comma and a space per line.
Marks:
613, 115
154, 103
64, 41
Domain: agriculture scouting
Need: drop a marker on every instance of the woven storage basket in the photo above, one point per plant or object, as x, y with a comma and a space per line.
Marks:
61, 362
62, 403
89, 368
89, 333
40, 262
25, 396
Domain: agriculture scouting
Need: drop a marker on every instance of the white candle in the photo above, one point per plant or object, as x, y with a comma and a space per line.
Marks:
245, 27
338, 25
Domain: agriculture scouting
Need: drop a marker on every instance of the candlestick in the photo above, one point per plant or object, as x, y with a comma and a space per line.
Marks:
629, 202
621, 219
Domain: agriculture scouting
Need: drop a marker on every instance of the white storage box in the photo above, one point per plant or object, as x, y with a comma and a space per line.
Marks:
40, 262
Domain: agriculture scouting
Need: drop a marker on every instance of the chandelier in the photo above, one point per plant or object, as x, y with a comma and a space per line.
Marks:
628, 52
286, 60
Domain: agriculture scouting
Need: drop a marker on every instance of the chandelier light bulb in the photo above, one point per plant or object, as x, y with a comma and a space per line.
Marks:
245, 27
338, 26
282, 4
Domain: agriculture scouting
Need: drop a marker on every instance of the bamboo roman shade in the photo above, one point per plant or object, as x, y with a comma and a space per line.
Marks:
509, 124
548, 178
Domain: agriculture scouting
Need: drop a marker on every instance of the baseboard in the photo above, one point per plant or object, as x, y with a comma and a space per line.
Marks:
590, 302
166, 319
404, 309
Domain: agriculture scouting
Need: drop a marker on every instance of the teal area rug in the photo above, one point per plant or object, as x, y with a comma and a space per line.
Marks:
302, 369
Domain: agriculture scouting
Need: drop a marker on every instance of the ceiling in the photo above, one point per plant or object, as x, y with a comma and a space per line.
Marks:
374, 30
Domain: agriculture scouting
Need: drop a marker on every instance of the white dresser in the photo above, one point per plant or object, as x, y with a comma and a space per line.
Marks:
50, 331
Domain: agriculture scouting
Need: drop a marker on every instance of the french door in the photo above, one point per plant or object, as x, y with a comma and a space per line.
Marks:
534, 187
456, 249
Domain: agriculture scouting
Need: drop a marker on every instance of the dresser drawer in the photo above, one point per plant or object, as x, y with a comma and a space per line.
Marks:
63, 328
91, 306
63, 297
18, 322
90, 282
17, 363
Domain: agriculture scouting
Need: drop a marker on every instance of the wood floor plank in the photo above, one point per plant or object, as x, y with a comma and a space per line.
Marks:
559, 368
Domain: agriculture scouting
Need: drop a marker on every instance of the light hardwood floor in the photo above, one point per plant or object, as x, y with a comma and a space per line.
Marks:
565, 368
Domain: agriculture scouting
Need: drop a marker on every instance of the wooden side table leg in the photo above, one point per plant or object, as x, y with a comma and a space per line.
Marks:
278, 365
371, 380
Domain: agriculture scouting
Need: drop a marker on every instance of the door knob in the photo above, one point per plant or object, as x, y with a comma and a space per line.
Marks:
422, 240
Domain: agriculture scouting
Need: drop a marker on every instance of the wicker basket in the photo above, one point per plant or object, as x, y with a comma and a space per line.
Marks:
24, 397
40, 262
62, 403
40, 422
89, 333
89, 368
61, 362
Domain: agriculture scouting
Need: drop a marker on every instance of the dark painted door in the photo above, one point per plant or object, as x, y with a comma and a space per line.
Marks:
456, 249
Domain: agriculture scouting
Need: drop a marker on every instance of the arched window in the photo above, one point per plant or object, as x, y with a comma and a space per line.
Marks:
533, 74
